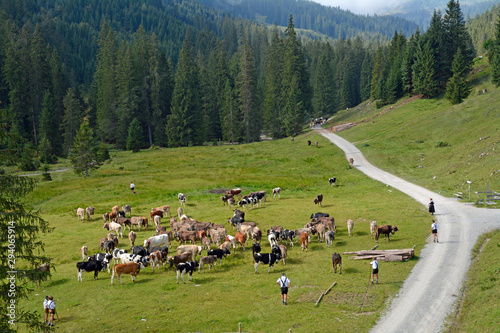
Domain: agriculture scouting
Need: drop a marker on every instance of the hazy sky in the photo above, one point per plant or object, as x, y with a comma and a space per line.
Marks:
362, 6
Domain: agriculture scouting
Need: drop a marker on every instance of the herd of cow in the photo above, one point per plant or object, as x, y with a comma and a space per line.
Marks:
155, 249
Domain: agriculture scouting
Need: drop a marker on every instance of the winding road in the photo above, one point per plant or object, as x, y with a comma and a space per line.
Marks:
429, 292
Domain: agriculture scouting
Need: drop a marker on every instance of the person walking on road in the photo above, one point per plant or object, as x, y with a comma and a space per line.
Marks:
431, 207
434, 230
374, 264
284, 283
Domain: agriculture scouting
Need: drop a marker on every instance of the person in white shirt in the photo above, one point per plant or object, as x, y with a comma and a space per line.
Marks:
46, 309
374, 264
284, 283
132, 187
52, 310
434, 230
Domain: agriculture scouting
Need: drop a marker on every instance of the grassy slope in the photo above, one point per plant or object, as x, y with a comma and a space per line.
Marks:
218, 300
404, 140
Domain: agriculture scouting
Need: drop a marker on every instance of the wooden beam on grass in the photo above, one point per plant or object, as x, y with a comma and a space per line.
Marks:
323, 294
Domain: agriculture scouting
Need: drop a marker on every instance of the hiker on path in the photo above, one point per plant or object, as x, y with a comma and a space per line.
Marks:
374, 264
431, 206
132, 187
284, 283
434, 230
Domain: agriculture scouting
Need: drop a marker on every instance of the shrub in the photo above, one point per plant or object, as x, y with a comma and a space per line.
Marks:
441, 144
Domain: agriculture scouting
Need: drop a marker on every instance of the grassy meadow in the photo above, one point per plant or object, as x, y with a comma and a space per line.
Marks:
232, 293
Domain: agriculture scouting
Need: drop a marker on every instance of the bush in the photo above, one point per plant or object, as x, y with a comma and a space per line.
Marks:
102, 153
28, 162
441, 144
46, 175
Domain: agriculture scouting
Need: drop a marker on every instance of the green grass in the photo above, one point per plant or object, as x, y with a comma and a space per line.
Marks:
480, 310
432, 143
218, 300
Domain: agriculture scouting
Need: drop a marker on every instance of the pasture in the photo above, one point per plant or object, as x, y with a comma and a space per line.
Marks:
219, 299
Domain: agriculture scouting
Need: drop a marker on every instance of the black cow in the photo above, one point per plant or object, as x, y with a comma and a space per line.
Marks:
256, 248
219, 253
103, 258
186, 267
337, 260
287, 235
332, 181
235, 220
265, 258
109, 246
276, 250
140, 251
121, 213
316, 215
239, 213
90, 266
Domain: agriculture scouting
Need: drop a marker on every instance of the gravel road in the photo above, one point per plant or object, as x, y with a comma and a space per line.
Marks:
429, 292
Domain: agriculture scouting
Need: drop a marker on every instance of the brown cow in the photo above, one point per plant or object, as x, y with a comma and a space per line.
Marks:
337, 260
385, 230
105, 217
240, 238
115, 209
184, 236
211, 261
304, 240
123, 221
283, 253
131, 268
131, 237
319, 200
156, 213
175, 260
234, 191
321, 229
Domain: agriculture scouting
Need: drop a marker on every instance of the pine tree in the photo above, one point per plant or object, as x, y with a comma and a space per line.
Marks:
230, 115
495, 62
23, 226
324, 89
49, 124
436, 37
135, 137
424, 76
72, 118
376, 74
83, 154
458, 88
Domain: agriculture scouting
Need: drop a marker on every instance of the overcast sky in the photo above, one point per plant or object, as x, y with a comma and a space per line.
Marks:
362, 6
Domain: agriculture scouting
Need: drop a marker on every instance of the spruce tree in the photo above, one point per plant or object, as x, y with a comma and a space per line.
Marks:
71, 120
458, 88
376, 75
127, 95
135, 137
424, 76
230, 115
49, 124
83, 154
495, 62
324, 89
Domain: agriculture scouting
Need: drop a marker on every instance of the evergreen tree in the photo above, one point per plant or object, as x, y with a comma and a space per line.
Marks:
134, 138
366, 77
230, 113
185, 118
424, 76
49, 124
245, 87
45, 154
407, 64
495, 62
72, 118
27, 249
376, 74
83, 154
455, 36
436, 37
458, 88
324, 87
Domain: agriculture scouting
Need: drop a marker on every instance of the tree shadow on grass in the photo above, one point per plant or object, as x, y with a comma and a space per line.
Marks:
54, 283
350, 270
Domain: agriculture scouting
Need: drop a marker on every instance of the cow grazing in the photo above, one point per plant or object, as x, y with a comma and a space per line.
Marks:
256, 248
156, 241
156, 257
156, 213
139, 222
385, 230
193, 249
184, 236
245, 229
80, 213
113, 226
287, 235
226, 246
182, 199
121, 213
304, 240
329, 237
131, 237
318, 215
321, 230
319, 200
337, 260
165, 209
157, 220
109, 246
124, 222
186, 267
272, 238
127, 209
207, 260
329, 222
231, 202
139, 250
265, 258
105, 217
256, 235
277, 192
115, 209
284, 252
90, 212
90, 266
104, 258
234, 191
131, 268
350, 227
232, 240
241, 239
180, 212
219, 253
112, 216
332, 181
117, 253
205, 243
373, 225
84, 252
101, 243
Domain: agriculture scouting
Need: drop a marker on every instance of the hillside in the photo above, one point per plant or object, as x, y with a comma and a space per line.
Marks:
432, 143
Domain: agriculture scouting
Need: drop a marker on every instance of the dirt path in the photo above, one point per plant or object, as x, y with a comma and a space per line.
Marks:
429, 292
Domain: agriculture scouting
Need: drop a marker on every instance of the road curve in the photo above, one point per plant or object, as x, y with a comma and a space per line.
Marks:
428, 294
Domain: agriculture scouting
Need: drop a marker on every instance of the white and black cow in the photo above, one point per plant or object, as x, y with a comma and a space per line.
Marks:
265, 258
90, 266
235, 220
127, 258
117, 253
140, 251
219, 253
287, 235
256, 248
104, 258
332, 181
186, 267
329, 237
276, 250
318, 215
